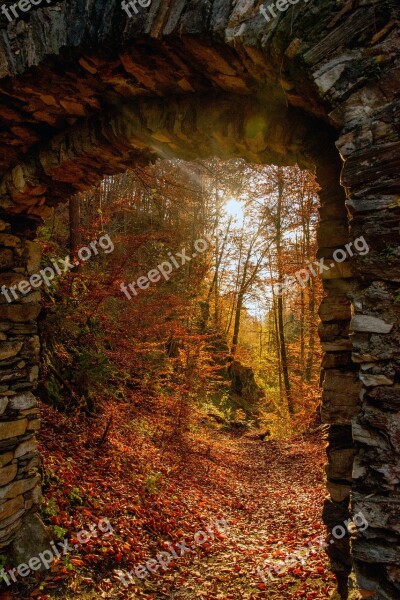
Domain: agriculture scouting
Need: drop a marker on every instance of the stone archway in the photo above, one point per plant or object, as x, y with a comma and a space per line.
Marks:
87, 91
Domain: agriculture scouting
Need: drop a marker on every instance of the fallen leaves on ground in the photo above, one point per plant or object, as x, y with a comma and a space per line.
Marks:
157, 494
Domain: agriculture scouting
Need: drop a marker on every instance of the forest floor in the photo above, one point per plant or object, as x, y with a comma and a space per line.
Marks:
157, 487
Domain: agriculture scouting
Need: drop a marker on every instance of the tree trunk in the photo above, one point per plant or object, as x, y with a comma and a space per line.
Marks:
236, 327
311, 338
284, 361
74, 224
282, 341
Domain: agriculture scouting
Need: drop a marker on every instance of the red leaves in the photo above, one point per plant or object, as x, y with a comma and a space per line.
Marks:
77, 562
271, 497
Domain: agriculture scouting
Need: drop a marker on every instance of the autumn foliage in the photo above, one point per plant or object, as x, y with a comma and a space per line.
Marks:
141, 421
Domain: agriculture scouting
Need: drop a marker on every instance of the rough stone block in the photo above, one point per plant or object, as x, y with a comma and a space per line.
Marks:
19, 313
329, 332
338, 345
5, 533
33, 256
332, 234
26, 448
334, 513
380, 512
31, 539
3, 404
335, 360
338, 271
357, 357
376, 551
335, 308
4, 225
340, 397
365, 323
11, 507
10, 429
9, 240
338, 492
9, 349
6, 458
11, 519
6, 258
359, 469
19, 487
34, 425
367, 437
33, 373
374, 380
23, 401
387, 397
10, 279
340, 464
30, 413
7, 474
36, 494
31, 298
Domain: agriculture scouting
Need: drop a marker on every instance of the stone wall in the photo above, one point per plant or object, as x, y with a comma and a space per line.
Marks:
341, 386
19, 356
373, 203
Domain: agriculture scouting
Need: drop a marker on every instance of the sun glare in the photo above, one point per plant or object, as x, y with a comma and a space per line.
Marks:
234, 209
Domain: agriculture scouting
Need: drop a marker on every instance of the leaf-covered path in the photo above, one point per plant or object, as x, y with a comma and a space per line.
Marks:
156, 494
279, 494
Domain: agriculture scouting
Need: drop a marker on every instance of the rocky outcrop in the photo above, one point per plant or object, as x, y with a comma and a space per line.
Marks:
243, 384
86, 91
232, 376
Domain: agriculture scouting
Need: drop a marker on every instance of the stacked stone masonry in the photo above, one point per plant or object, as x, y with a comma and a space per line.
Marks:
19, 356
86, 91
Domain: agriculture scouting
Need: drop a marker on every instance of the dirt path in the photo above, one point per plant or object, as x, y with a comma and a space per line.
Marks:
270, 494
279, 492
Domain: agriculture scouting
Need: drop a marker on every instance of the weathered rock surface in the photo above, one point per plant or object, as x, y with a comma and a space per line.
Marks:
365, 323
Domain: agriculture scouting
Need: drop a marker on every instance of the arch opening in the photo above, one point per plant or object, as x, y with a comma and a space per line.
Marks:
191, 128
128, 91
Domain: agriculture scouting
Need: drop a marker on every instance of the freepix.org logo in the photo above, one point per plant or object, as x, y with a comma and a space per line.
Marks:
300, 278
165, 268
44, 559
131, 6
16, 10
269, 11
46, 275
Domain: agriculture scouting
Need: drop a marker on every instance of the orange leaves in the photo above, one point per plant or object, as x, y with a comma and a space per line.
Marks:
77, 562
270, 494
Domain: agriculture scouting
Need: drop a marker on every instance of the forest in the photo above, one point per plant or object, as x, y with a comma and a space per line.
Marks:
162, 403
220, 329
